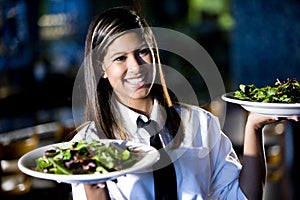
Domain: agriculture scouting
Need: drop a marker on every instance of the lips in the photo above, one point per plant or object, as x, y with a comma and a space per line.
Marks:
135, 81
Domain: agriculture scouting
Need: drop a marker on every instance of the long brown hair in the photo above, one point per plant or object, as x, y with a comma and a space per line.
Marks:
103, 29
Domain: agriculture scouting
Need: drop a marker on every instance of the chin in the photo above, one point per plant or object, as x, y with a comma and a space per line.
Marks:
140, 95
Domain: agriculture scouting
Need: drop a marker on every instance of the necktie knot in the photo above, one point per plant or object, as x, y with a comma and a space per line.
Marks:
141, 123
150, 126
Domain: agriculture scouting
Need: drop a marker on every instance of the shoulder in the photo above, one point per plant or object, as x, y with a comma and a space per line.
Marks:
197, 119
86, 131
193, 111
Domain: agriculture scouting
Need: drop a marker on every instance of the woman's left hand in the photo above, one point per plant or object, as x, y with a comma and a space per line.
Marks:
258, 121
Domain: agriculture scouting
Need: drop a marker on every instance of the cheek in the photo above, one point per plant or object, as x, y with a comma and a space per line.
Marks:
115, 75
148, 59
148, 64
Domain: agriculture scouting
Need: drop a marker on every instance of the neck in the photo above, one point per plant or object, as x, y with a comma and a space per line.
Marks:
143, 106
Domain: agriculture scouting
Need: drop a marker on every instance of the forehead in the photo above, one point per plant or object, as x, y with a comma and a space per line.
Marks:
127, 42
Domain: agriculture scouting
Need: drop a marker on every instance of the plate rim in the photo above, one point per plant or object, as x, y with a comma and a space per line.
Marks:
89, 178
229, 98
284, 110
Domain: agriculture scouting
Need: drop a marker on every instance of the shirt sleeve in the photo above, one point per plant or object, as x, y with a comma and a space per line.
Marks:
78, 192
225, 165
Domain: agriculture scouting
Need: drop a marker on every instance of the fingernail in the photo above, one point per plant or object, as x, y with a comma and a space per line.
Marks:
101, 186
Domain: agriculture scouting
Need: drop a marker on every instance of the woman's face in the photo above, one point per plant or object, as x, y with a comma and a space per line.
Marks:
127, 65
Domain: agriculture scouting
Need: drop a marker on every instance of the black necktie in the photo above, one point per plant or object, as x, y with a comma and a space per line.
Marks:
164, 173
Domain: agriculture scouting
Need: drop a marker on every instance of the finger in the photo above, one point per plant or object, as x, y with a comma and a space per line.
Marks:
295, 118
101, 185
277, 118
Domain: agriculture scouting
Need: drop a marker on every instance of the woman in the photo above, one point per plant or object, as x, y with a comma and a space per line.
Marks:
121, 59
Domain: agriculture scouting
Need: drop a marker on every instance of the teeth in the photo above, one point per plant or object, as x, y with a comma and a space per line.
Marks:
135, 81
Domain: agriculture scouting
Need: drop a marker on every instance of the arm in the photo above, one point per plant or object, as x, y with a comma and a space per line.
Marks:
253, 174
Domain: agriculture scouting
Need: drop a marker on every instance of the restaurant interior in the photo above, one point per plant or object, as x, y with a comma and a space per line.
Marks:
41, 49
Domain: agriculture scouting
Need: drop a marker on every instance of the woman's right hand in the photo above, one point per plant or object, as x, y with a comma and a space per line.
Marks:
96, 191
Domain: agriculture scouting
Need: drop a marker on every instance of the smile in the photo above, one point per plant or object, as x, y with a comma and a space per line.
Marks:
135, 82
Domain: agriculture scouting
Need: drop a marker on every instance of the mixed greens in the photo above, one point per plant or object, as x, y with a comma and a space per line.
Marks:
287, 91
84, 157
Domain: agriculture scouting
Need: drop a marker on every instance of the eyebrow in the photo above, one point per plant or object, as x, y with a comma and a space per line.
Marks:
143, 45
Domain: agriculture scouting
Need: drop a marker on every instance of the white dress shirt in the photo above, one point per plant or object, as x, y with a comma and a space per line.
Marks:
206, 165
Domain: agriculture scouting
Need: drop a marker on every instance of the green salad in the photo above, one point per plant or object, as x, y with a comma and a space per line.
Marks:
84, 157
287, 91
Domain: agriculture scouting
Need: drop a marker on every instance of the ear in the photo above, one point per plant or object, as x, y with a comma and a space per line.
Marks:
104, 75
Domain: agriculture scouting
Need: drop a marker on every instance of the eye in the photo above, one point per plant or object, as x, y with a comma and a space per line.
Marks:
120, 58
143, 52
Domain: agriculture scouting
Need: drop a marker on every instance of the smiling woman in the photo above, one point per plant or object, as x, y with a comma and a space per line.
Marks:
127, 66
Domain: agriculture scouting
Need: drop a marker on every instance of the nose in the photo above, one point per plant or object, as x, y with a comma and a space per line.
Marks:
133, 65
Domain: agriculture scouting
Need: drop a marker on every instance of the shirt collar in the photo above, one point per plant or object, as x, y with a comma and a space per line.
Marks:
129, 116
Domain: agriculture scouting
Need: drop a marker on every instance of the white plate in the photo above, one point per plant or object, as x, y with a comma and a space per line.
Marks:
27, 164
278, 109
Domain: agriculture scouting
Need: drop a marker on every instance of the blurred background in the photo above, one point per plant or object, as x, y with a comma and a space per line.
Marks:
41, 49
